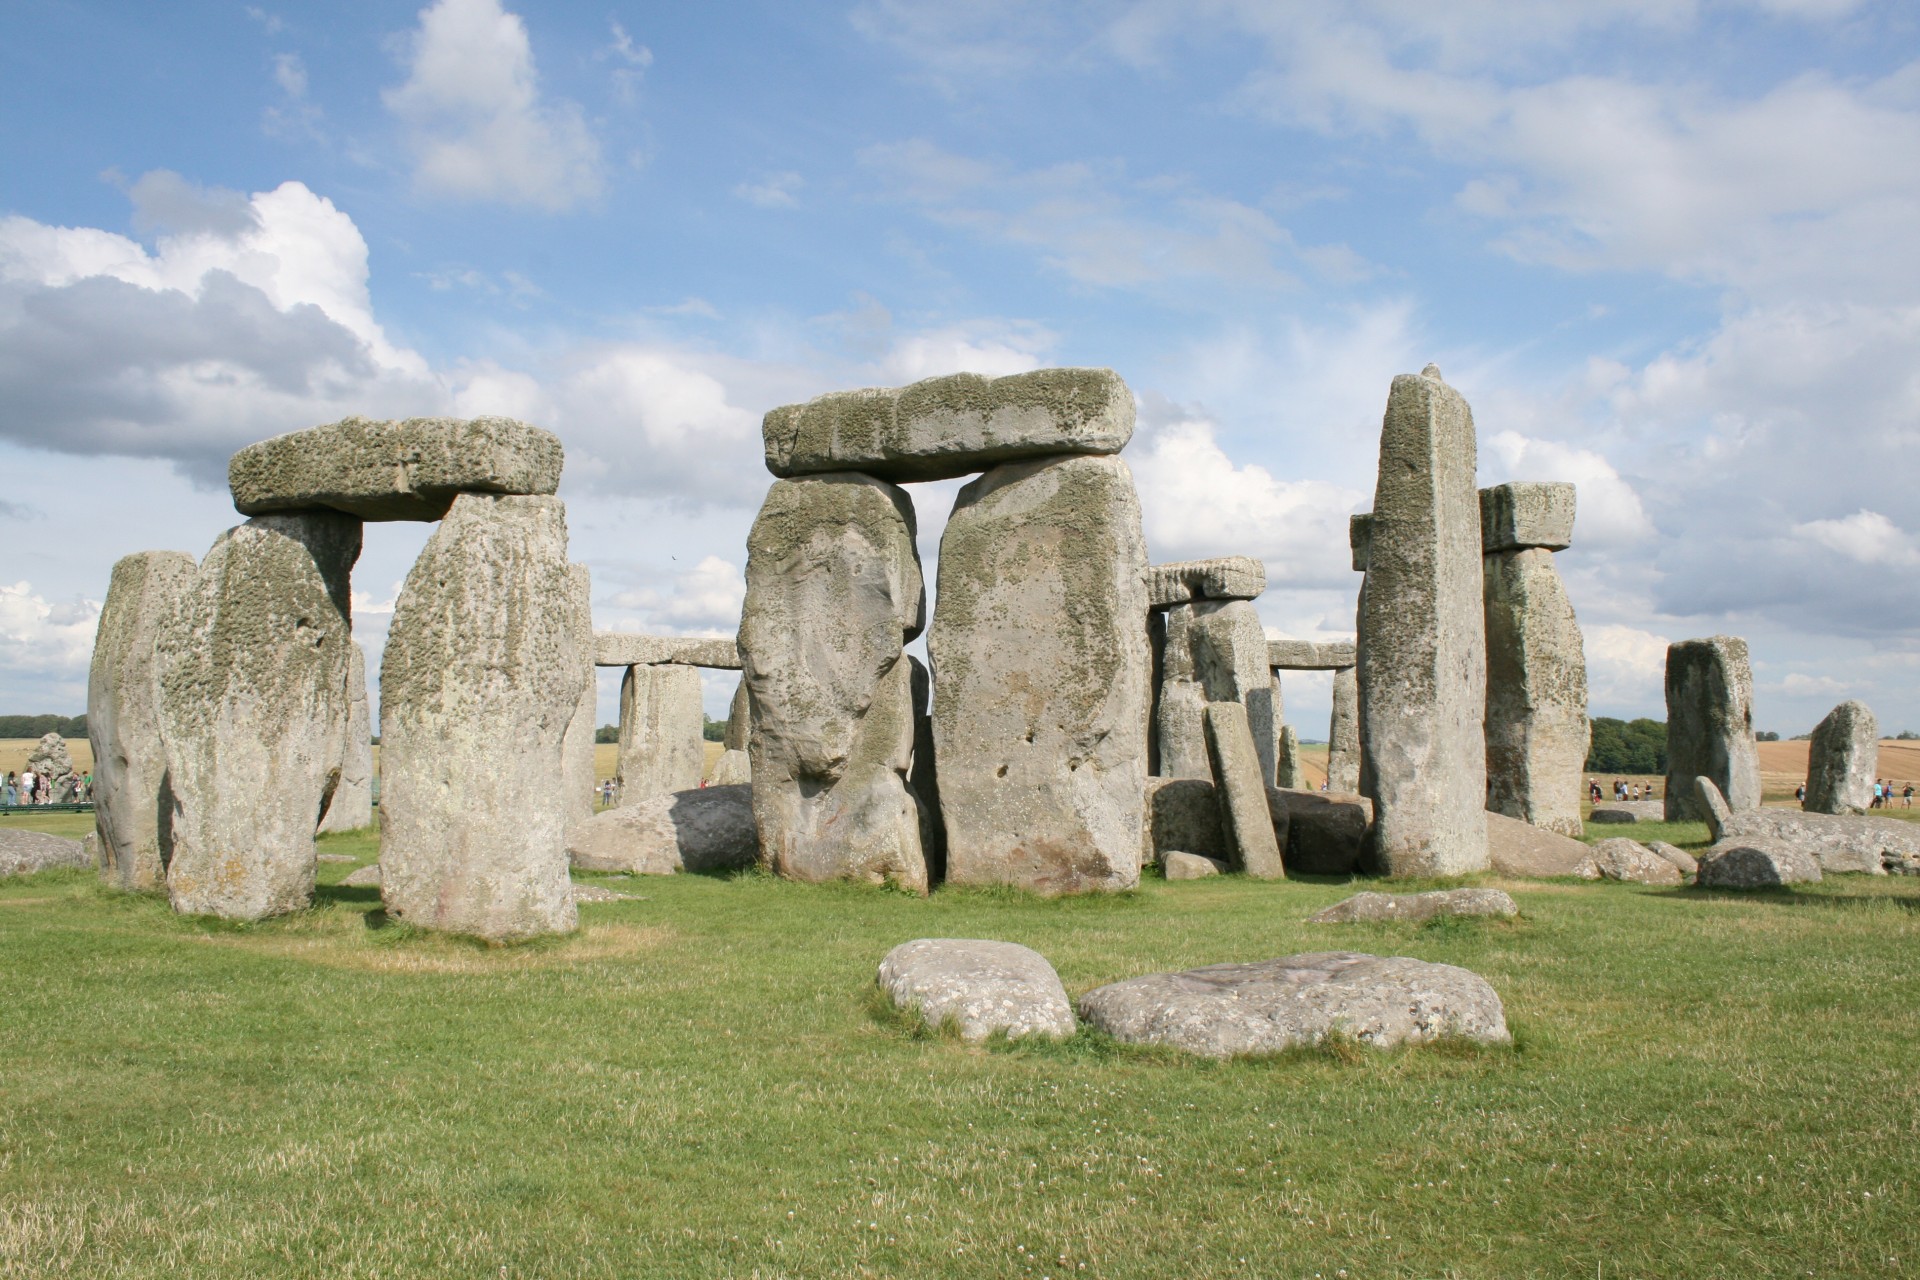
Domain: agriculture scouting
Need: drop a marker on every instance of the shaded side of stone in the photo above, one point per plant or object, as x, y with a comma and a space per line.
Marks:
705, 829
351, 807
1343, 734
1710, 725
1843, 761
1183, 814
1326, 830
1242, 790
1289, 773
925, 775
1537, 730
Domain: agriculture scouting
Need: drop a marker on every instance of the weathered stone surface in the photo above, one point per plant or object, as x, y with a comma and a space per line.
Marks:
367, 877
705, 829
1326, 830
946, 427
480, 679
1537, 730
1311, 655
662, 731
577, 774
1289, 774
1228, 1009
1221, 578
732, 769
833, 591
1422, 648
1679, 857
1374, 908
1242, 790
1522, 515
1180, 700
1618, 858
24, 852
408, 470
981, 987
1843, 761
1042, 665
1343, 734
1628, 811
626, 649
1838, 842
1360, 539
1517, 848
51, 760
1214, 651
251, 670
739, 718
1176, 865
1183, 814
351, 807
1711, 805
1710, 725
1749, 863
133, 811
599, 893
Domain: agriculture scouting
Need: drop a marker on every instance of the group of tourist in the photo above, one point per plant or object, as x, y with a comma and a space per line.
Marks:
1883, 794
28, 787
1622, 790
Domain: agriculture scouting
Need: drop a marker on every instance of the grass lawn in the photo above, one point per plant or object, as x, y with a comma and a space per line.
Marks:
701, 1084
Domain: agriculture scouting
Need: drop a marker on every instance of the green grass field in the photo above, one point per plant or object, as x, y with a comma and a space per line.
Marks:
700, 1083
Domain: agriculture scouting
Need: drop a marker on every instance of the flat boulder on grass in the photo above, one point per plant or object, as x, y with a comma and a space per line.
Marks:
1688, 864
1618, 858
1742, 863
1629, 811
982, 987
24, 852
1176, 865
704, 829
1518, 848
1228, 1009
1373, 907
367, 877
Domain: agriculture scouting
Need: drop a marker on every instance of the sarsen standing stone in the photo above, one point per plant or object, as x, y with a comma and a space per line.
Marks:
1710, 726
1843, 761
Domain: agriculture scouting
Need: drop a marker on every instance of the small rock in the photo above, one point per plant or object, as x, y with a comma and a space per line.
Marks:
1618, 858
705, 829
1519, 848
367, 877
1679, 857
25, 852
1176, 865
1741, 863
1372, 907
983, 987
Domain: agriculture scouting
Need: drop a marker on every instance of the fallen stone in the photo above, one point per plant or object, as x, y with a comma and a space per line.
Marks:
367, 877
1416, 907
625, 649
1742, 863
1221, 578
662, 731
1628, 811
351, 807
1677, 856
1843, 761
1537, 730
24, 852
1618, 858
1711, 805
409, 470
1326, 830
1177, 865
1242, 791
334, 857
1226, 1010
1343, 734
1182, 814
1311, 655
703, 829
981, 987
951, 426
1526, 515
1840, 843
1517, 848
1710, 726
1229, 651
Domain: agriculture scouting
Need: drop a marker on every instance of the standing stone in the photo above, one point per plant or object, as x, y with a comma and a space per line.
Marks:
1180, 703
51, 760
1343, 734
1244, 809
1292, 776
662, 731
132, 807
1422, 647
1843, 761
576, 751
1041, 663
734, 767
481, 677
833, 592
252, 670
1215, 651
1710, 726
352, 805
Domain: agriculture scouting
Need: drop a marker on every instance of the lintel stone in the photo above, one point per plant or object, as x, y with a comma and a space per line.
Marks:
621, 649
1221, 578
1517, 516
1311, 655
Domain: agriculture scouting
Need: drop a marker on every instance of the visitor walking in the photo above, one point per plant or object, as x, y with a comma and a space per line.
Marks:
10, 790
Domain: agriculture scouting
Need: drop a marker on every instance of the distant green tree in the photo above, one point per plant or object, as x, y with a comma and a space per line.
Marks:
1766, 735
41, 726
607, 733
1627, 746
1906, 735
715, 731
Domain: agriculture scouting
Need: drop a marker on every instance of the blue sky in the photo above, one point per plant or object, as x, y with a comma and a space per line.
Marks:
1669, 251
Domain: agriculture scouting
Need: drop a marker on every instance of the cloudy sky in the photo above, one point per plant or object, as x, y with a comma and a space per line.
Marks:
1669, 251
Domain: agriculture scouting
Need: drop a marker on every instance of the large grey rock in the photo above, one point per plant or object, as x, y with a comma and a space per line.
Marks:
982, 987
833, 591
1183, 814
132, 806
1686, 862
705, 829
1326, 830
1180, 699
1537, 730
1517, 848
408, 470
1710, 725
1373, 908
1041, 662
1843, 761
1176, 865
1422, 648
1311, 655
627, 649
1525, 515
351, 807
251, 671
1838, 842
946, 427
662, 731
480, 679
1711, 805
1289, 773
577, 774
51, 760
24, 852
367, 877
1343, 734
1221, 578
732, 769
1228, 1009
1754, 863
1242, 790
1618, 858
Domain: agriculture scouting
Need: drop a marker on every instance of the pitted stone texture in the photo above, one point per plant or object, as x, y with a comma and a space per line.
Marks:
662, 728
833, 591
1289, 774
705, 829
352, 805
132, 809
408, 470
1244, 811
1517, 848
1422, 650
1843, 761
1745, 863
1618, 858
1176, 865
1521, 515
951, 426
1360, 539
577, 774
1183, 814
1228, 1009
1041, 663
1537, 730
1221, 578
1862, 844
1710, 725
982, 987
22, 853
480, 679
1343, 734
1310, 655
51, 760
1326, 830
1373, 908
1214, 651
625, 649
252, 666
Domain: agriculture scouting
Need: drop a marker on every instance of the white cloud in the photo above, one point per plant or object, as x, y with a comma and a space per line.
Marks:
703, 600
44, 638
1866, 537
774, 191
475, 119
1626, 667
1609, 511
1798, 685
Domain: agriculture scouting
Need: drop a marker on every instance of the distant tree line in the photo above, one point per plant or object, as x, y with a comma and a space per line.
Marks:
41, 726
715, 731
1627, 746
607, 733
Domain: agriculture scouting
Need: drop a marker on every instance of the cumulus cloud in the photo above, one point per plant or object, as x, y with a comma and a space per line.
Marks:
1866, 537
703, 600
38, 636
1609, 511
1626, 667
476, 121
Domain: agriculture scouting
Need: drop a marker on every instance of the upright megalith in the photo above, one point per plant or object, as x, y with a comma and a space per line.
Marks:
351, 807
1290, 772
1041, 674
576, 751
51, 761
252, 671
662, 723
1710, 726
1537, 730
1843, 761
734, 766
1422, 645
1343, 734
833, 592
480, 678
132, 808
1212, 648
